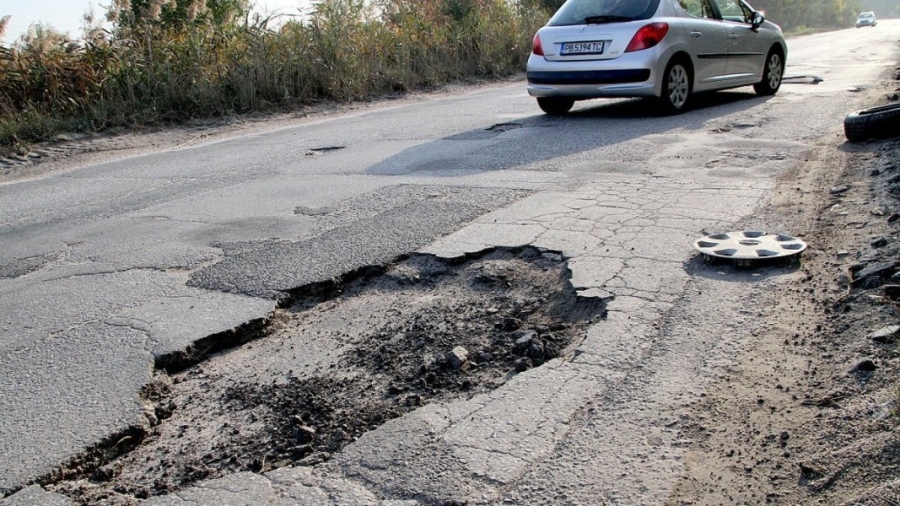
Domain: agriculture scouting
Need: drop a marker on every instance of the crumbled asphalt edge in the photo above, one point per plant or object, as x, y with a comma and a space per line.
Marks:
28, 265
110, 448
92, 458
446, 216
376, 238
115, 445
412, 383
177, 361
445, 382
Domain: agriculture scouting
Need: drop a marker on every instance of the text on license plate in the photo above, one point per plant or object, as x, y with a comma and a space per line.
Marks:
593, 47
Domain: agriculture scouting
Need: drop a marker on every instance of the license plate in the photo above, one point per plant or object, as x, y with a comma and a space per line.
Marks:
592, 47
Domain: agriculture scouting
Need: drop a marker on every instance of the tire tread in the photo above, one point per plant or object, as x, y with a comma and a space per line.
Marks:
875, 123
555, 106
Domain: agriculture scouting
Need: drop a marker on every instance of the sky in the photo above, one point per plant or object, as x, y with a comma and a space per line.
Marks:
66, 15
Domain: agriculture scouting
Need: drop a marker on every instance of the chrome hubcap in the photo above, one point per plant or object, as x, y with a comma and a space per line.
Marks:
775, 71
678, 86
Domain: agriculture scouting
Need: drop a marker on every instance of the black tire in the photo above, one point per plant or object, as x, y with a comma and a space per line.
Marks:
555, 106
677, 87
773, 74
875, 123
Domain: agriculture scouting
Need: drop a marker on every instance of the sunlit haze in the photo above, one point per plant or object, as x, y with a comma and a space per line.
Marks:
67, 15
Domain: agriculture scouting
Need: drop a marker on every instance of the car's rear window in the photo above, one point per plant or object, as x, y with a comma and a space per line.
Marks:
579, 12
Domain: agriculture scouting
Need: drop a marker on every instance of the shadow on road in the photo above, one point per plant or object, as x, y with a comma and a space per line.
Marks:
530, 142
727, 271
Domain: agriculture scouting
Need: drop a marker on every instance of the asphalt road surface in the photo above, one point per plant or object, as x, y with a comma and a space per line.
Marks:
105, 269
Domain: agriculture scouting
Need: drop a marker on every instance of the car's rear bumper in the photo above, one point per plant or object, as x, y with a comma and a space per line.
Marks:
589, 77
586, 91
632, 74
590, 83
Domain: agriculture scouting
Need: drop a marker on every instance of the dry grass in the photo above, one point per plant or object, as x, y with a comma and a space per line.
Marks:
169, 62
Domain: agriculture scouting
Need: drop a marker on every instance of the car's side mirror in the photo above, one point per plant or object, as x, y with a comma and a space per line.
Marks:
758, 20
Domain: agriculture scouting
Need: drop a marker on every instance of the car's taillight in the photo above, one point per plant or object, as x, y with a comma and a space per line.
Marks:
647, 37
536, 47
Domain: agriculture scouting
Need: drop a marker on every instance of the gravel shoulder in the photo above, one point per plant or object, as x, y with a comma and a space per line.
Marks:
810, 412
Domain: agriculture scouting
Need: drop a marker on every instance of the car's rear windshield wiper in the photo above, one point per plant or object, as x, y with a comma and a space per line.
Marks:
596, 20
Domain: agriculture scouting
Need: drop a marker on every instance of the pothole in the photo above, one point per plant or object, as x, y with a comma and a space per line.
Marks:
323, 150
340, 361
503, 127
804, 79
487, 133
314, 211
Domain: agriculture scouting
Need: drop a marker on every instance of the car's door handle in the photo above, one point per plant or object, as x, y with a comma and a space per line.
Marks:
732, 35
696, 35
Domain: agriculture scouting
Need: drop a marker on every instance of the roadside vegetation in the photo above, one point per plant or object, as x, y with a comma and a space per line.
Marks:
171, 60
882, 8
806, 16
168, 61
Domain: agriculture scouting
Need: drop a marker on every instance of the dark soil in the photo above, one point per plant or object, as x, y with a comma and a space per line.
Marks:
435, 332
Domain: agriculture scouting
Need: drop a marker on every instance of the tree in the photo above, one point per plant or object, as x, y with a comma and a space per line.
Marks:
176, 14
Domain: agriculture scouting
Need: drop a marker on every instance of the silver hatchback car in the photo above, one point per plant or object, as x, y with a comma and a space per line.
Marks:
668, 49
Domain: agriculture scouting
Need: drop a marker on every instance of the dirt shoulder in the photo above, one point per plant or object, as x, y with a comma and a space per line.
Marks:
810, 412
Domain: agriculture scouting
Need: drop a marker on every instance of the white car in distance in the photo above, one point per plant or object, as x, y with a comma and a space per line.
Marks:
866, 19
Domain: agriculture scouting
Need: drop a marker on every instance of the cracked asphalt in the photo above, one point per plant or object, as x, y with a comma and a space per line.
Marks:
105, 267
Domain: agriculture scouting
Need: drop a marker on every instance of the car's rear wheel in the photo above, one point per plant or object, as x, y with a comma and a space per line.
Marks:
555, 106
773, 73
676, 87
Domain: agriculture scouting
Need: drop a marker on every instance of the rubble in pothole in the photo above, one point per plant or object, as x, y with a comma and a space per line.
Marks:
340, 362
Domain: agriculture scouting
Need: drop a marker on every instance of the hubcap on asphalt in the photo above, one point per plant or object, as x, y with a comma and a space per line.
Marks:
744, 247
678, 86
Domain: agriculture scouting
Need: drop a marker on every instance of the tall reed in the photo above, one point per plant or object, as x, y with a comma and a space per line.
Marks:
183, 59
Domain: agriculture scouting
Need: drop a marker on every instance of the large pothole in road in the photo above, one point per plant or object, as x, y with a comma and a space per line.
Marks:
335, 365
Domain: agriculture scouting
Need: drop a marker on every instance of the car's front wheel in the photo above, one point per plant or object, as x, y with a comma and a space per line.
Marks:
555, 106
676, 87
773, 73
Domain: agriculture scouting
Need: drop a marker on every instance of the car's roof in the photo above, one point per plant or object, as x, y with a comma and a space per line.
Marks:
867, 13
